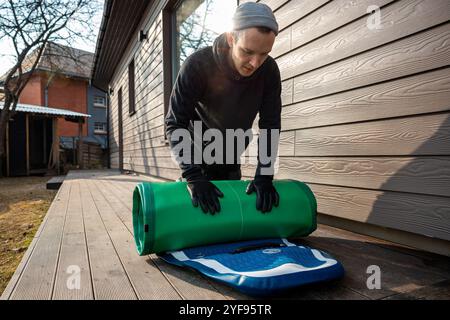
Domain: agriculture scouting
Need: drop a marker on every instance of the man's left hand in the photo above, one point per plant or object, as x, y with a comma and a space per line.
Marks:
266, 194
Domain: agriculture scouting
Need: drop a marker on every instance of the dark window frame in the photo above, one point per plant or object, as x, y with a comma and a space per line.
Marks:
120, 120
168, 45
131, 88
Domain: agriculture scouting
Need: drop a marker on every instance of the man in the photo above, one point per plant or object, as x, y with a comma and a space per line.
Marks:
224, 87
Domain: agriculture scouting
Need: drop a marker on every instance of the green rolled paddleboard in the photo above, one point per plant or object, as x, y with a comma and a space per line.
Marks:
164, 218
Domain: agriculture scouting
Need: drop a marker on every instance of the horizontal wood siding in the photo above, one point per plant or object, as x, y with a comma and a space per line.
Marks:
366, 113
144, 146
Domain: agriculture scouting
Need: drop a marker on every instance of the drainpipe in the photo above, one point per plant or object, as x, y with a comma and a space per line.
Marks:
46, 95
47, 86
107, 130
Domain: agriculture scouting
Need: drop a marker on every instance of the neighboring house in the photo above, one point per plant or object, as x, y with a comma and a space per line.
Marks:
365, 105
97, 108
62, 80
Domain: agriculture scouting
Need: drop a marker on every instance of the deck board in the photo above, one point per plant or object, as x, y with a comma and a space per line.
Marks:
55, 182
399, 272
89, 225
190, 285
109, 278
37, 278
73, 259
146, 278
7, 293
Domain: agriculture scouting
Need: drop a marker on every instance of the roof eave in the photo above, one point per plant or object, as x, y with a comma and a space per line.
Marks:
106, 14
120, 21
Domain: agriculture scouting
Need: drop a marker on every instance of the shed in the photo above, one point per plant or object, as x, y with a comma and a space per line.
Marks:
31, 139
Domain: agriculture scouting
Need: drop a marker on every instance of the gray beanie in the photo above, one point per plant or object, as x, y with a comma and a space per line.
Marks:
252, 14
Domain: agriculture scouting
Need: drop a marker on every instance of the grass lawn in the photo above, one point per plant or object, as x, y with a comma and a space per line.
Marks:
23, 205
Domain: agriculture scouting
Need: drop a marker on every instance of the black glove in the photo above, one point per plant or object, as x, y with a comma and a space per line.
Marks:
206, 194
266, 195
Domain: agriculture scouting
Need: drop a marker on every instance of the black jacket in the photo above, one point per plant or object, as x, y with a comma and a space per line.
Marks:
209, 89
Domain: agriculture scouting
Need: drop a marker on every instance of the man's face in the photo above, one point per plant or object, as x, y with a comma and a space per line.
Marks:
250, 51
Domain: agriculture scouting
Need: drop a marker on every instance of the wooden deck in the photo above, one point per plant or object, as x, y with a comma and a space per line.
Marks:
88, 229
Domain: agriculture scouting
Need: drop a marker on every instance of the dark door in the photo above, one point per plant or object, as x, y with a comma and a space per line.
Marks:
40, 142
120, 130
17, 146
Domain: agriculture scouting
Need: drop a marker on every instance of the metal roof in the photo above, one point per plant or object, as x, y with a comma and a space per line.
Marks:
28, 108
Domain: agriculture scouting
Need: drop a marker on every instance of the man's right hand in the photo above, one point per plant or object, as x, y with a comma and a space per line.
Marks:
206, 194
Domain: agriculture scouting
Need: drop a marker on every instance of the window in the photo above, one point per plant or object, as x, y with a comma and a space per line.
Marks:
188, 26
99, 102
120, 131
100, 128
131, 92
196, 24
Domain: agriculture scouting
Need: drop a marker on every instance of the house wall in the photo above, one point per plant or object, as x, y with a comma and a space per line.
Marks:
98, 114
71, 94
33, 92
366, 114
63, 93
144, 148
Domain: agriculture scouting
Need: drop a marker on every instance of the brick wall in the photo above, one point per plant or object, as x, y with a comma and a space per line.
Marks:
64, 93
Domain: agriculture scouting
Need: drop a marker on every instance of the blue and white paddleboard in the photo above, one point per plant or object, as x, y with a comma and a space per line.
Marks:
259, 267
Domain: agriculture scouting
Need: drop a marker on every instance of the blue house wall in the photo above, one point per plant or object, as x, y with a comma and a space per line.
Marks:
98, 114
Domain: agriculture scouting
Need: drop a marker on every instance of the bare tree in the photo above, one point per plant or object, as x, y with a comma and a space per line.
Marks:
193, 31
29, 25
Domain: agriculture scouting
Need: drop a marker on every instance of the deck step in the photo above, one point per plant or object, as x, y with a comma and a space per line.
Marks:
55, 182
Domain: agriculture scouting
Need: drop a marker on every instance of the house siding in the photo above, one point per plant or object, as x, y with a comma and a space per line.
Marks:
366, 113
144, 148
98, 114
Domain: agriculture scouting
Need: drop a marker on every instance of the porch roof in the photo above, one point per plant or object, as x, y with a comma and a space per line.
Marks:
28, 108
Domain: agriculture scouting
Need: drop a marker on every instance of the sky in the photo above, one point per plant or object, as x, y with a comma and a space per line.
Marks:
7, 48
220, 19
